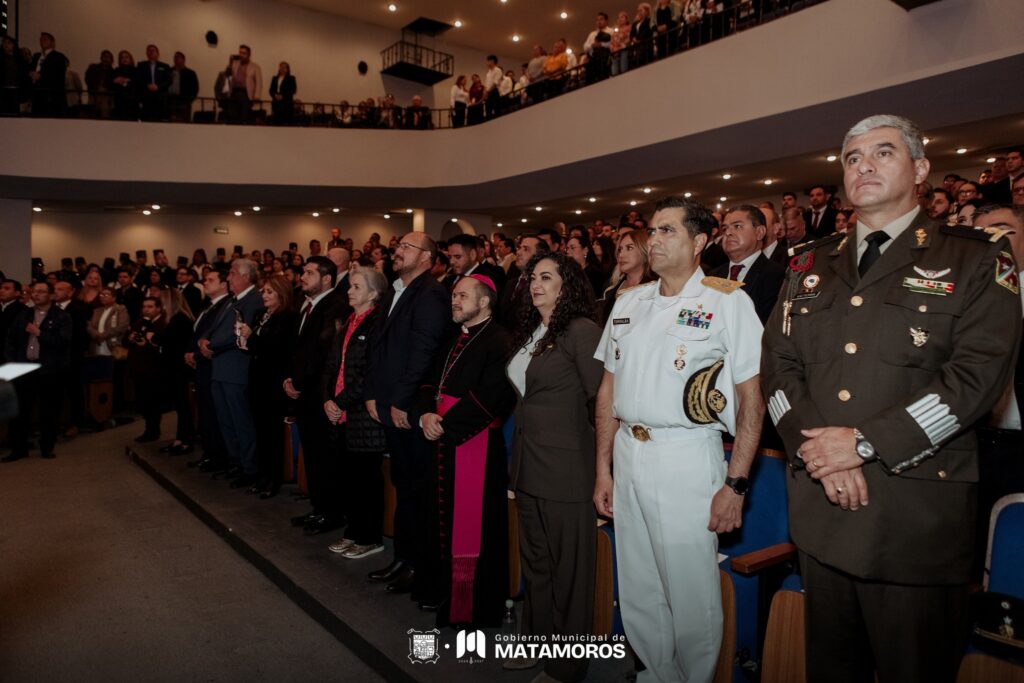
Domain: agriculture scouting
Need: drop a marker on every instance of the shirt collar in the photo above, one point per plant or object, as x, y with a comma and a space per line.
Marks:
214, 300
692, 288
893, 230
315, 300
747, 262
245, 293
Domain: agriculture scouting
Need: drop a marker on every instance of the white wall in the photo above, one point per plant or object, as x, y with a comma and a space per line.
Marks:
322, 49
96, 236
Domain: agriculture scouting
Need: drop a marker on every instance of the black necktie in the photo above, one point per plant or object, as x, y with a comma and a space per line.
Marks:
875, 241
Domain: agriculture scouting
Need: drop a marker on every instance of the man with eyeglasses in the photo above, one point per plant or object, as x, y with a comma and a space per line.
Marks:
416, 319
1018, 191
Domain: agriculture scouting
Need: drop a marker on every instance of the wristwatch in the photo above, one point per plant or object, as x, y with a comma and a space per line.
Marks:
738, 484
864, 448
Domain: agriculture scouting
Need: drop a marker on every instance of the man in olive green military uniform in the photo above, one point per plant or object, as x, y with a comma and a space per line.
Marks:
886, 347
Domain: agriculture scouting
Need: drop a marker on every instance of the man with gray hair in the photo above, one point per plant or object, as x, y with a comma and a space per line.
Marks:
230, 372
887, 346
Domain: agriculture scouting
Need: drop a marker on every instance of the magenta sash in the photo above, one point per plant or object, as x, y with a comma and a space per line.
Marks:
467, 516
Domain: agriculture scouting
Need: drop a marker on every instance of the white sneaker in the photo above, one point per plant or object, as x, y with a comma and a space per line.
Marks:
355, 552
341, 546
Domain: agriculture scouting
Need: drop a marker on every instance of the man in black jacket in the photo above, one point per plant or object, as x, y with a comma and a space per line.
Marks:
314, 333
48, 69
416, 317
820, 218
183, 89
744, 230
466, 257
153, 78
39, 335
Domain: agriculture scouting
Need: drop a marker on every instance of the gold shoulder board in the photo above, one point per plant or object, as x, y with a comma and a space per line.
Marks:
721, 284
996, 234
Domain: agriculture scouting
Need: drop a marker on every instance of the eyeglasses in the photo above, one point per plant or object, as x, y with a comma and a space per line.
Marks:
408, 245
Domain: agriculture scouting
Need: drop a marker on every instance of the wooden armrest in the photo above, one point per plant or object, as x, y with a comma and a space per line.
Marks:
751, 563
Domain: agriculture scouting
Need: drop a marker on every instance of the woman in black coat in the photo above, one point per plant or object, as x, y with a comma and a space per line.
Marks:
126, 101
357, 438
175, 340
282, 92
269, 343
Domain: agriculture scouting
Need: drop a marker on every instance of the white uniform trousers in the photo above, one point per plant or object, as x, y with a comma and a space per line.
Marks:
669, 589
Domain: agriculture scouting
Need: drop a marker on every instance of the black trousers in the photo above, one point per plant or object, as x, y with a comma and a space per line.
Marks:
412, 460
209, 432
268, 417
150, 395
43, 391
362, 488
186, 430
856, 628
459, 115
323, 467
1000, 472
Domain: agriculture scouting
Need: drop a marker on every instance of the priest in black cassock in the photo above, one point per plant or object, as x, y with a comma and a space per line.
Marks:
463, 406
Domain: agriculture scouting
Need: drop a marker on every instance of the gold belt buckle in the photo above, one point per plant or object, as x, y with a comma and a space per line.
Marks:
641, 433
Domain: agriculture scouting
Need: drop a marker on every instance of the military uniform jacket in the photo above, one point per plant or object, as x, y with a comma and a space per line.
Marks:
913, 355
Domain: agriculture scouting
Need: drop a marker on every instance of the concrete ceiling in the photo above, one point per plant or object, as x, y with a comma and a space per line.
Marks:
487, 25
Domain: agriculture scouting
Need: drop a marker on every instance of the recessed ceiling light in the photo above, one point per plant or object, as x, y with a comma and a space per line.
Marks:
315, 214
455, 220
831, 157
768, 181
538, 208
238, 213
990, 160
336, 210
726, 176
408, 210
522, 220
722, 199
592, 200
515, 38
458, 23
578, 212
564, 15
257, 209
568, 50
146, 212
961, 150
504, 2
387, 216
687, 194
632, 202
37, 209
647, 190
718, 206
392, 7
926, 140
501, 225
155, 207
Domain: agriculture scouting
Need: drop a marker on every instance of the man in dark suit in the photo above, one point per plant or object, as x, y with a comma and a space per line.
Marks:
820, 218
466, 257
774, 247
47, 74
338, 298
182, 90
416, 320
215, 286
192, 294
230, 377
313, 335
128, 295
744, 229
146, 369
10, 307
39, 335
516, 286
891, 344
64, 299
1005, 171
153, 78
416, 115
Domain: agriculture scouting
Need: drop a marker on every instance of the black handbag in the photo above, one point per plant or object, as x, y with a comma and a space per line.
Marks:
998, 624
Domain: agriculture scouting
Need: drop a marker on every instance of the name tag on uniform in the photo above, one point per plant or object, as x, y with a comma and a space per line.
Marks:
923, 286
620, 321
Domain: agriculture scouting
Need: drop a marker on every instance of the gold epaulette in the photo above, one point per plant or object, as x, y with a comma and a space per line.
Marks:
984, 234
814, 244
721, 284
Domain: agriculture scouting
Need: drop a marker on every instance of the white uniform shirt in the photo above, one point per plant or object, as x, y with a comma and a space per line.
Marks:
647, 333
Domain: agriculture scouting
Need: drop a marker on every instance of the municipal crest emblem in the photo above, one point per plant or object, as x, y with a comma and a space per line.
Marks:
424, 646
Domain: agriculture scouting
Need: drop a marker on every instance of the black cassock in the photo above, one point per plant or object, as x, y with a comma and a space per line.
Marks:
468, 572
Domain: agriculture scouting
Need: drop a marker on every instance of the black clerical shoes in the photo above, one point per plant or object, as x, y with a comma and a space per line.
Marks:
303, 520
387, 573
402, 583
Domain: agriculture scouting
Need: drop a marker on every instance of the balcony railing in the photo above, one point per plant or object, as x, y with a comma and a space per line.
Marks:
15, 101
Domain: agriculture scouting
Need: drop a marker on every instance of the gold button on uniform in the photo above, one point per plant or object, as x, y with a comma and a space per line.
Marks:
844, 395
856, 300
803, 311
942, 474
923, 308
850, 348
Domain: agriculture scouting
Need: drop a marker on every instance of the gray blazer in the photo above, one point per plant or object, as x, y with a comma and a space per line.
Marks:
553, 443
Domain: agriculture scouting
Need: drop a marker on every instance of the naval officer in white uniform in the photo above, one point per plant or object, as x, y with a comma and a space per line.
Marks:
681, 358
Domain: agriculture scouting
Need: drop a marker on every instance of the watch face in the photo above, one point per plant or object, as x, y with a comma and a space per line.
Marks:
865, 450
740, 485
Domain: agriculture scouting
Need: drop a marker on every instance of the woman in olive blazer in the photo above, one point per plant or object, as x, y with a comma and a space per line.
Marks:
556, 379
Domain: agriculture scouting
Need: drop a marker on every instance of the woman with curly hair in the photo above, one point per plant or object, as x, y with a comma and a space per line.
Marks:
556, 377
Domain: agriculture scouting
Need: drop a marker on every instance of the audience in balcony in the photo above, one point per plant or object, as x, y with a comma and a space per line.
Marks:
47, 77
554, 69
183, 89
416, 115
246, 85
476, 100
99, 81
282, 94
640, 35
458, 102
492, 82
598, 49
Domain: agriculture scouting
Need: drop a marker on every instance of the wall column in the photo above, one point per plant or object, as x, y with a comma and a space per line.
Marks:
16, 255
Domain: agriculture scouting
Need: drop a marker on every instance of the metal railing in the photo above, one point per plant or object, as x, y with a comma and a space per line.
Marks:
133, 105
404, 52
